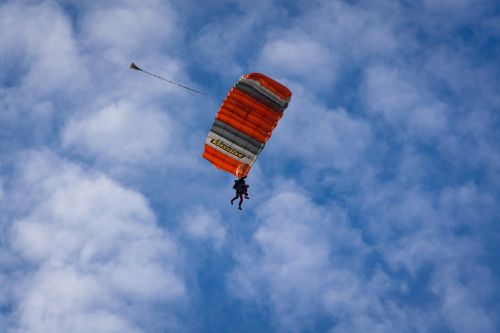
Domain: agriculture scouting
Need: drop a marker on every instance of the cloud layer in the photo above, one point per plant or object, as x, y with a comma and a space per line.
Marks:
94, 253
374, 206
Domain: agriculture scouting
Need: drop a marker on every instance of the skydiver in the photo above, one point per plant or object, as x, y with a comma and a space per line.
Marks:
241, 190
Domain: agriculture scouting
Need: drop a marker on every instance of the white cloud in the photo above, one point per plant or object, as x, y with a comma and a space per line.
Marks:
97, 255
416, 232
300, 56
332, 34
294, 260
395, 95
65, 300
38, 40
320, 136
317, 47
461, 305
397, 243
122, 132
129, 28
449, 5
231, 44
217, 45
205, 225
290, 272
307, 261
361, 31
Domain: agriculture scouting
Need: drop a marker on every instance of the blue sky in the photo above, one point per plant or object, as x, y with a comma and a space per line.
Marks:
374, 206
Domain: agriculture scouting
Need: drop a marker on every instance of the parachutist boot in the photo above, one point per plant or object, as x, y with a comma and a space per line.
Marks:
232, 201
239, 207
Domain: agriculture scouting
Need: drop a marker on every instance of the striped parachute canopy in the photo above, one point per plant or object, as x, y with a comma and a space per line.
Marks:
244, 123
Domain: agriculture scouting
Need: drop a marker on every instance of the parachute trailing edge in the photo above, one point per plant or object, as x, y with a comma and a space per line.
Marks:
245, 122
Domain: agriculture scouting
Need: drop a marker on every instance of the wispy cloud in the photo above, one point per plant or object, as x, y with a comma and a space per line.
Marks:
203, 225
122, 31
309, 263
91, 247
48, 66
121, 132
373, 207
391, 93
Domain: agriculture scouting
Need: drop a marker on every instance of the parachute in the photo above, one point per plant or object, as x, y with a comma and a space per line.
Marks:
244, 123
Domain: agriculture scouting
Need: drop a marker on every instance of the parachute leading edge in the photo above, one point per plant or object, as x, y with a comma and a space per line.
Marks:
245, 122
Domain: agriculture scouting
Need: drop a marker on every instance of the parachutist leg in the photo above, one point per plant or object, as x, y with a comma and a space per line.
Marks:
236, 197
241, 201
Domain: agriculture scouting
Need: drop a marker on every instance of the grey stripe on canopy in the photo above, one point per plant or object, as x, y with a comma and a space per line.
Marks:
239, 138
255, 94
265, 91
263, 95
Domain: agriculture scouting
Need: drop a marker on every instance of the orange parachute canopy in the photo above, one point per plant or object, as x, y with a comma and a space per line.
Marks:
245, 122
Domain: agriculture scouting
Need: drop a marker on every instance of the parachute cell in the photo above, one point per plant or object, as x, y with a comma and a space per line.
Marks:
245, 122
